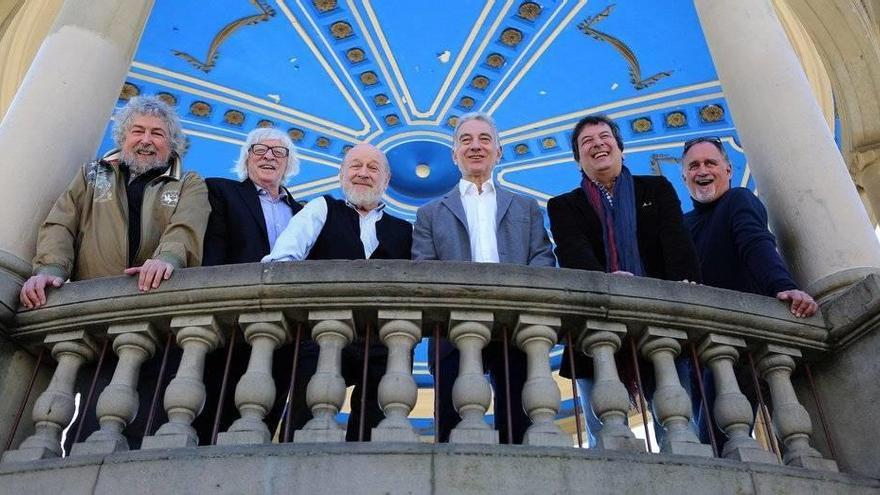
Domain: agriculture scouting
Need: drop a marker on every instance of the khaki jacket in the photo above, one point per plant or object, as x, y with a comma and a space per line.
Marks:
85, 234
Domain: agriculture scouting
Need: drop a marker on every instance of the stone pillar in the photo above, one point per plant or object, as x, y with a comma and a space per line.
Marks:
732, 411
55, 407
789, 417
185, 395
399, 330
536, 335
609, 400
820, 222
470, 331
671, 402
118, 403
868, 163
332, 330
255, 391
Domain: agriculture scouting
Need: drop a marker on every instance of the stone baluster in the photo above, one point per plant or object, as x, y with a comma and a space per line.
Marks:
536, 335
399, 330
54, 408
117, 405
609, 399
672, 405
789, 417
255, 391
185, 395
732, 411
471, 394
332, 330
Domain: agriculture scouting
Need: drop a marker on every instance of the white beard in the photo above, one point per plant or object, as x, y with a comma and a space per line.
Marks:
139, 164
361, 198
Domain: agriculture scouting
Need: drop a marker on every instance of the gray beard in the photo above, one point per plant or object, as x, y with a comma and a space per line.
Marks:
138, 164
361, 199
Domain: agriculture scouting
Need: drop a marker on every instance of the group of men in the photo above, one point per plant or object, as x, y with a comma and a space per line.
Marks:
135, 212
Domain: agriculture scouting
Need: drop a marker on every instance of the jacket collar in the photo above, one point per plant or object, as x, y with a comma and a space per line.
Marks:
175, 171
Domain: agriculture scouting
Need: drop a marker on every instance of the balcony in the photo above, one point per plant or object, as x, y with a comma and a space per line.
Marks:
606, 316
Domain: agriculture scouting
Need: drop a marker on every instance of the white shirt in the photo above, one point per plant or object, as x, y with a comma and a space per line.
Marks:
298, 238
480, 209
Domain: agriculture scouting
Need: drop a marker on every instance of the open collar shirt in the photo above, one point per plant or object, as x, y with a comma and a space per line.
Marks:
480, 209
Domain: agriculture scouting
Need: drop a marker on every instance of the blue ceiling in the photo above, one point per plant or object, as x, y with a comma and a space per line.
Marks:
395, 73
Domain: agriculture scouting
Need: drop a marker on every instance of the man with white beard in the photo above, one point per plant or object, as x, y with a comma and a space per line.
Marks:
356, 228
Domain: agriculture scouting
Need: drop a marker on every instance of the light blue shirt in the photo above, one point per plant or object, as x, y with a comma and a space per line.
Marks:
276, 213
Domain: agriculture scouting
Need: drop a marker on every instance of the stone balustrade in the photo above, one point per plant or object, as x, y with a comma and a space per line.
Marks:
405, 301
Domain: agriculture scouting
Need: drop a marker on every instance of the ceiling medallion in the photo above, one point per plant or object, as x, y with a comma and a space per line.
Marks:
369, 78
642, 124
676, 119
495, 60
529, 11
423, 170
295, 134
322, 142
200, 109
265, 123
233, 117
129, 91
521, 149
466, 102
380, 99
480, 82
511, 37
168, 98
355, 55
324, 5
452, 121
548, 143
392, 119
341, 30
712, 113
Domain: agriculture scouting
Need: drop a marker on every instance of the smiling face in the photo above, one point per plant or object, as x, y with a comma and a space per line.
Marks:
476, 151
706, 172
600, 156
146, 145
364, 176
267, 170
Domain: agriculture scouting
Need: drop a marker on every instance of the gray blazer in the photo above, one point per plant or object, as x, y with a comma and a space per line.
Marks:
441, 233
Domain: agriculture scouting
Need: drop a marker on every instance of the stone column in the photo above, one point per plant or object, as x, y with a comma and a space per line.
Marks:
672, 404
399, 330
332, 330
868, 163
55, 407
821, 224
255, 391
536, 335
609, 400
732, 411
470, 331
789, 417
185, 395
118, 403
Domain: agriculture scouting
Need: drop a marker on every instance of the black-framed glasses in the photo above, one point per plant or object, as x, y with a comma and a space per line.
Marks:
262, 149
715, 140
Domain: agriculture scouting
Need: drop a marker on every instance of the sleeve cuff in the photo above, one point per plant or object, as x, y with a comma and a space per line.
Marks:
172, 260
53, 270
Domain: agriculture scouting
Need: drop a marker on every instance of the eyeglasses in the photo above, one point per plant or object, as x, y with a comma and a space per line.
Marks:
715, 140
262, 149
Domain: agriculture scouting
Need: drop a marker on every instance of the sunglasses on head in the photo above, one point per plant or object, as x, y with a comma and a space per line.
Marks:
715, 140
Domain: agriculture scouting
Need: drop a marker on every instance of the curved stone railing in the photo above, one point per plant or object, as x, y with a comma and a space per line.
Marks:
404, 301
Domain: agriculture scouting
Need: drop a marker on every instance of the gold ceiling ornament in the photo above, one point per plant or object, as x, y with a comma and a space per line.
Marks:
355, 55
265, 123
295, 134
369, 78
480, 82
712, 113
346, 148
466, 102
548, 143
392, 119
233, 117
452, 121
676, 119
322, 142
642, 124
521, 149
266, 12
423, 170
168, 98
129, 91
529, 10
495, 60
635, 68
380, 99
658, 159
200, 109
341, 30
324, 5
511, 37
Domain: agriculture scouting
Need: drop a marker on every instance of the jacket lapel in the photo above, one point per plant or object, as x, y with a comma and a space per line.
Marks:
452, 200
502, 200
251, 199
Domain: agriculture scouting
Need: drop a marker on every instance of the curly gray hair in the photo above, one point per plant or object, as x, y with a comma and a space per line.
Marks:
264, 134
153, 106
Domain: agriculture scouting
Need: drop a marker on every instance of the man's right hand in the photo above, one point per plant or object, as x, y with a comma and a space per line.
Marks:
33, 292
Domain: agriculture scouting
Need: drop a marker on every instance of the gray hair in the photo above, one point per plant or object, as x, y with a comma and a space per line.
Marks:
154, 107
264, 134
384, 160
481, 116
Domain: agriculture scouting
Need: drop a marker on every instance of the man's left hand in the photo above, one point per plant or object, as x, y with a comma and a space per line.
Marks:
802, 305
151, 273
